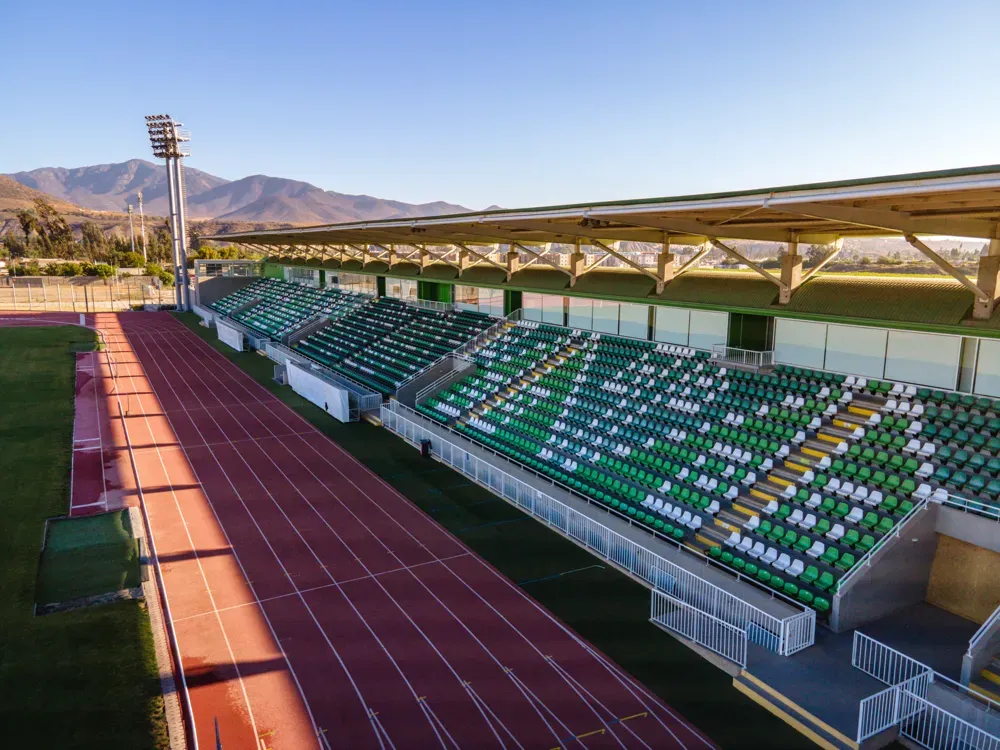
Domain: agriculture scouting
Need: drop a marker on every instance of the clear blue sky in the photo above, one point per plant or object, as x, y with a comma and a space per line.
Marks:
513, 102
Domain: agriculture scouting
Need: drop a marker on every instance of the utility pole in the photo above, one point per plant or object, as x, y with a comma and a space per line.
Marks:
166, 138
142, 230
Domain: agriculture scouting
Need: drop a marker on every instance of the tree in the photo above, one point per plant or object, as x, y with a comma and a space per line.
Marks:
29, 223
14, 248
53, 230
93, 240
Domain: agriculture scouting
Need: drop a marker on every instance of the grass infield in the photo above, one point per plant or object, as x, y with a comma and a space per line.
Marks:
602, 605
87, 556
82, 679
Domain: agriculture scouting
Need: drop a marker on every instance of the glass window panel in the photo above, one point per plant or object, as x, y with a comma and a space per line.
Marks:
605, 316
581, 313
553, 309
531, 303
708, 329
799, 342
672, 324
923, 358
988, 368
634, 321
856, 350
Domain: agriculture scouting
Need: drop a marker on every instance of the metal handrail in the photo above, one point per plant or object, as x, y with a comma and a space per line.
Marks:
709, 562
783, 627
736, 355
917, 667
653, 532
866, 559
983, 629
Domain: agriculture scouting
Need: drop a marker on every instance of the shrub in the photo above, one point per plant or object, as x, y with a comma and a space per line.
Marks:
100, 270
155, 270
70, 269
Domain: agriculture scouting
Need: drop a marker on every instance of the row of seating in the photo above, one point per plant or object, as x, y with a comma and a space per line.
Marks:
779, 454
275, 308
386, 342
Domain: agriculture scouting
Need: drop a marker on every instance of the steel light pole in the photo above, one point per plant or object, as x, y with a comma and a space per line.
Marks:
166, 138
131, 227
142, 229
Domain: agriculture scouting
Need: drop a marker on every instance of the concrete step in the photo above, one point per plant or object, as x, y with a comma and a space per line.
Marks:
985, 688
991, 674
817, 447
787, 474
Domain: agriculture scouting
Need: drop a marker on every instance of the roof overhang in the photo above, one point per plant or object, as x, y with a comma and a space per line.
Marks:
961, 203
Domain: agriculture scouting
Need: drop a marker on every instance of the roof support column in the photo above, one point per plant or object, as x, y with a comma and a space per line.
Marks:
391, 257
988, 280
791, 272
463, 260
577, 262
664, 264
513, 261
425, 257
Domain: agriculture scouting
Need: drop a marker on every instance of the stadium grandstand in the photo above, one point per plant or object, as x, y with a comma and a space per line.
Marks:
802, 467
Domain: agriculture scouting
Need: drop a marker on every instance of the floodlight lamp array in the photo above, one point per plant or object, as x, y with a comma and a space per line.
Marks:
165, 137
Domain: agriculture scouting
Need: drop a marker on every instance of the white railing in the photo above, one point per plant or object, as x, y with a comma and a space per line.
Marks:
932, 726
748, 357
866, 560
428, 304
971, 506
714, 634
473, 344
458, 365
909, 679
984, 629
783, 636
884, 710
882, 662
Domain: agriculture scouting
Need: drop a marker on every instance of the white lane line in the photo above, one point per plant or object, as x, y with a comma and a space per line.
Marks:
225, 635
422, 703
375, 726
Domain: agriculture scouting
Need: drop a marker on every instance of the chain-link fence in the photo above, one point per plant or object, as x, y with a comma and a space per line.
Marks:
64, 295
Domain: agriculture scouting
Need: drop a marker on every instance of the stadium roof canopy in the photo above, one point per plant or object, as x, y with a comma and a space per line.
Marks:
959, 202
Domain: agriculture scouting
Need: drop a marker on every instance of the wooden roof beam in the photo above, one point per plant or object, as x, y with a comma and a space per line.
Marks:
747, 262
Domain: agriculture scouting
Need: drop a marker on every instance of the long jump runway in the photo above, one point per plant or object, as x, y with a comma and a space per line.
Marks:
314, 606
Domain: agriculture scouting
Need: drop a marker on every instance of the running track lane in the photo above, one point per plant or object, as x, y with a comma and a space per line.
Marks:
395, 633
231, 664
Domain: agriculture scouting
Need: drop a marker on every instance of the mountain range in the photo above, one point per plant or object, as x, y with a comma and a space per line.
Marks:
257, 198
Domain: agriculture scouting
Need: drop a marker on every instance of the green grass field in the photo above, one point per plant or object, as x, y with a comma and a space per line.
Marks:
87, 556
604, 606
82, 679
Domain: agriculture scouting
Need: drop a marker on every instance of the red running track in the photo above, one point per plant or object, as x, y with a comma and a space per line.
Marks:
328, 605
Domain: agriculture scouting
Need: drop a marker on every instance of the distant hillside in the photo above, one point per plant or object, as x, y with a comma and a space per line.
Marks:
14, 196
258, 198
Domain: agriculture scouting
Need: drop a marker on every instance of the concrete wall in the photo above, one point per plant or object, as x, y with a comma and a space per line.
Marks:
977, 530
216, 287
965, 579
896, 579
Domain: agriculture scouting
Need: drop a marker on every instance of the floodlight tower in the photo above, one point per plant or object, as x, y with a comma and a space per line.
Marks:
166, 137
